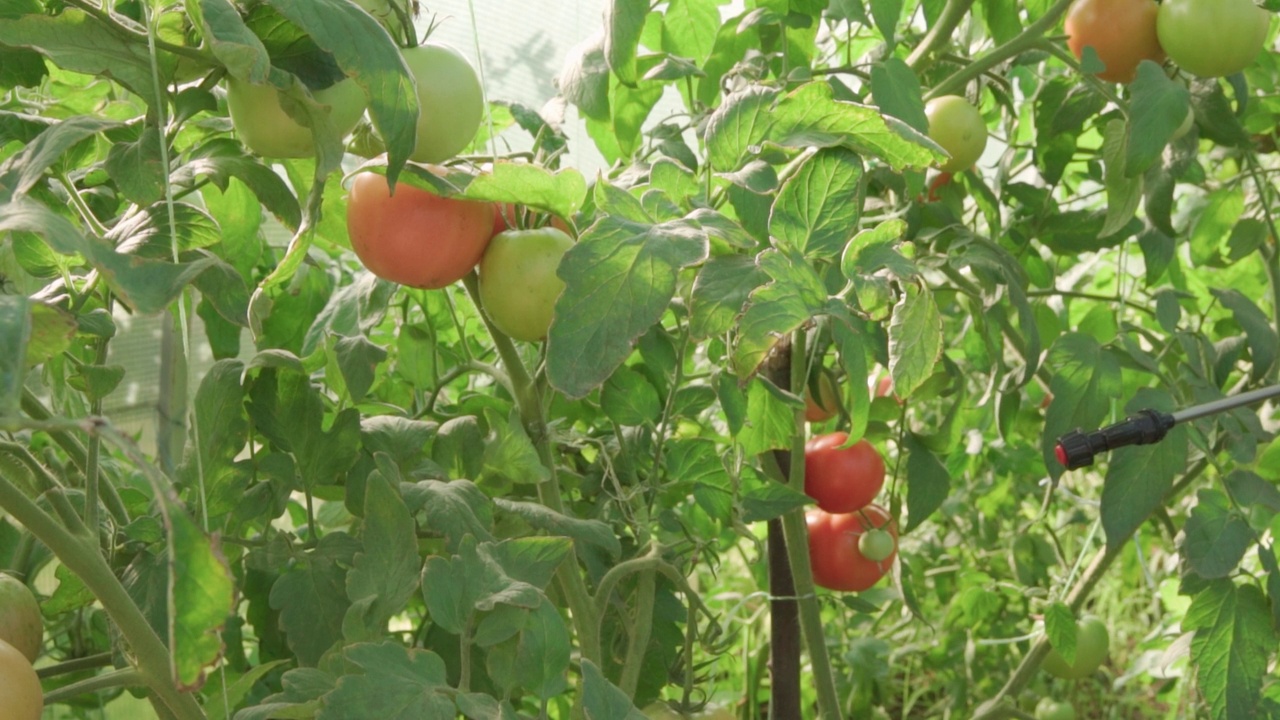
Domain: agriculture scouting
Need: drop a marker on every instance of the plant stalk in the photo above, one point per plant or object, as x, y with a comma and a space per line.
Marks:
952, 15
1015, 46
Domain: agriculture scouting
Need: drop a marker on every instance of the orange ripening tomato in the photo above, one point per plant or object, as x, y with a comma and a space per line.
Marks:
1121, 32
413, 237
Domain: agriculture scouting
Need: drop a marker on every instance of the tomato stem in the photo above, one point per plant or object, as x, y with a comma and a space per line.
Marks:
1016, 45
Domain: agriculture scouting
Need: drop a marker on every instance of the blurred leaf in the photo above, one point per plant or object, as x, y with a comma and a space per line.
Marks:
689, 28
602, 700
1156, 109
358, 360
1060, 626
15, 330
768, 500
1124, 187
75, 41
897, 92
509, 454
628, 398
1264, 345
624, 20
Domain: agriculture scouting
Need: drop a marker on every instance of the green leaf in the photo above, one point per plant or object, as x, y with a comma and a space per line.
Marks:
873, 249
1260, 335
398, 683
721, 290
1156, 109
1001, 19
456, 508
471, 581
1214, 225
619, 279
1124, 189
559, 192
537, 658
358, 359
768, 500
730, 47
794, 295
896, 91
387, 570
1233, 643
1140, 476
1215, 536
15, 329
312, 600
75, 41
593, 533
628, 398
928, 482
1252, 489
220, 161
1060, 626
232, 42
1085, 381
219, 429
365, 52
915, 338
136, 167
818, 208
303, 688
886, 14
770, 418
204, 590
534, 560
741, 122
584, 79
602, 700
509, 455
624, 21
689, 28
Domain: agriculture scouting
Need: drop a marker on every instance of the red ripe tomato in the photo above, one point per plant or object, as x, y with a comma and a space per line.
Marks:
834, 557
413, 237
1122, 32
842, 479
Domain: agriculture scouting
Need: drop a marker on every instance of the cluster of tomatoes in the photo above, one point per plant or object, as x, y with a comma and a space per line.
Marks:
1211, 38
21, 635
852, 541
411, 236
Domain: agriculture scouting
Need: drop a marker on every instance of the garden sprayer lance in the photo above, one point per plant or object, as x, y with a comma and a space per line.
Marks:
1077, 449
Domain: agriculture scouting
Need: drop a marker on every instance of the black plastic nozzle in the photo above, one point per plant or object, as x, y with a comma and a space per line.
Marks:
1077, 449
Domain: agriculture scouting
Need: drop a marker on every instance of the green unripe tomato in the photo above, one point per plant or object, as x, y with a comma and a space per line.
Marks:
1212, 38
265, 128
876, 545
450, 101
1092, 644
1050, 709
958, 127
21, 624
518, 283
20, 693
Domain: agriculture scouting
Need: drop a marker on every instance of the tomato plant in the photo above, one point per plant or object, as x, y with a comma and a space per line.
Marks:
19, 686
1121, 32
1050, 709
414, 237
1212, 38
842, 479
834, 556
21, 624
959, 128
1092, 644
264, 127
826, 405
518, 283
450, 101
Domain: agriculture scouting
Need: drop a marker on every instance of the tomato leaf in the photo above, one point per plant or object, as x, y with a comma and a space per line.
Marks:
593, 533
1233, 642
928, 482
1156, 110
204, 589
628, 398
386, 572
1140, 476
624, 21
619, 278
1060, 626
1264, 345
723, 285
689, 28
602, 700
1215, 536
915, 338
558, 192
741, 122
398, 683
770, 418
819, 206
1124, 191
793, 296
15, 330
584, 79
219, 428
458, 509
886, 14
896, 91
536, 659
312, 599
